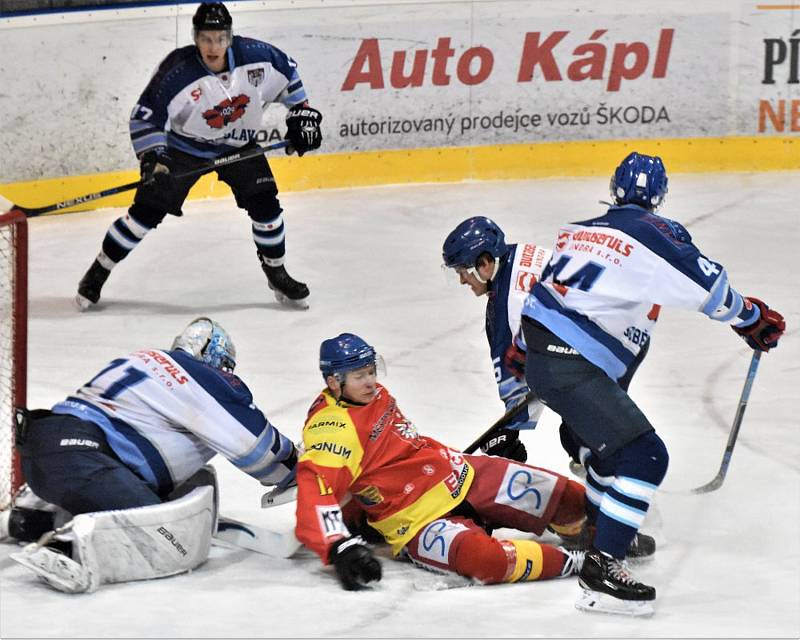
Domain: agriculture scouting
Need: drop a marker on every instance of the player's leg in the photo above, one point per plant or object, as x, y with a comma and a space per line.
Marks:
456, 544
152, 203
254, 188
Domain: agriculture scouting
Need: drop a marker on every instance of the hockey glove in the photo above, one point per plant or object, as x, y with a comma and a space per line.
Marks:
155, 166
355, 565
302, 129
514, 360
506, 444
766, 331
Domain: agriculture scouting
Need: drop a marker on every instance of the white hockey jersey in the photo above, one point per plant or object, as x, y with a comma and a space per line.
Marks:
165, 414
609, 276
187, 107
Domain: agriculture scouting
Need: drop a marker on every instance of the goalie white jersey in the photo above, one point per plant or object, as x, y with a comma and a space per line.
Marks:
609, 276
165, 414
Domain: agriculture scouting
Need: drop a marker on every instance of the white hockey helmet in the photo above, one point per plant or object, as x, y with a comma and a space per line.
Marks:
207, 341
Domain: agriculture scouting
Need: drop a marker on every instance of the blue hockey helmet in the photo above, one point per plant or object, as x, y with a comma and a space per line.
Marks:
344, 353
208, 342
473, 237
641, 180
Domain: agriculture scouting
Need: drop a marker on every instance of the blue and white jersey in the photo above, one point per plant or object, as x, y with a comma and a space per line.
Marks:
165, 414
609, 276
190, 108
518, 272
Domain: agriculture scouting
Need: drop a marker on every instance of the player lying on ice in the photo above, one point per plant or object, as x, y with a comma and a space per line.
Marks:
125, 455
431, 503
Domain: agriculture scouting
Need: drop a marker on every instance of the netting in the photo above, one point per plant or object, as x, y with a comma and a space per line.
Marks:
13, 338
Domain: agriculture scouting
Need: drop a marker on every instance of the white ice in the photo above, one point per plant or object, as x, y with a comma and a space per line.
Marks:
728, 562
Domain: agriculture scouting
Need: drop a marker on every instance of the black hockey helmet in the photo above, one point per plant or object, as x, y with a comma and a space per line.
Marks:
212, 16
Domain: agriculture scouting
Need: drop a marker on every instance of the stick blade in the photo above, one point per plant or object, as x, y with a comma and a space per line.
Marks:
715, 484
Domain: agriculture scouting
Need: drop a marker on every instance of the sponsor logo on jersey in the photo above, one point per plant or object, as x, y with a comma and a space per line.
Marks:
525, 281
332, 447
455, 481
226, 112
79, 442
563, 240
169, 366
369, 496
173, 540
380, 424
406, 428
255, 76
330, 520
605, 239
327, 426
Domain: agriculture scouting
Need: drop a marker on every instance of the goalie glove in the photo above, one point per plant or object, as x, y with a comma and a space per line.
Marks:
302, 129
354, 563
765, 332
155, 166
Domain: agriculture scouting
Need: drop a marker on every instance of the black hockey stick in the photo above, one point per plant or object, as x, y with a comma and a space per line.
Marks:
501, 422
238, 156
716, 483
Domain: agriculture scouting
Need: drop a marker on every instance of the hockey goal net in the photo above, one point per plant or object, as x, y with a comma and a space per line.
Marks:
13, 344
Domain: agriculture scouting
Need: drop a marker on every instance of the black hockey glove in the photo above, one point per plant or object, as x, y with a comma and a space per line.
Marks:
506, 444
302, 129
765, 333
355, 565
155, 166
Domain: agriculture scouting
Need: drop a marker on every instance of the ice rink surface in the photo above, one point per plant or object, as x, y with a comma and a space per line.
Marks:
728, 562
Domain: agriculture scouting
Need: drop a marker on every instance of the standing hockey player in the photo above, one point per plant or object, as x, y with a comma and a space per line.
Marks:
505, 273
123, 450
204, 101
584, 324
428, 501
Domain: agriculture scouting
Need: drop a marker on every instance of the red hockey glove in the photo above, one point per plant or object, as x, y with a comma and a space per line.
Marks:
515, 361
765, 333
355, 565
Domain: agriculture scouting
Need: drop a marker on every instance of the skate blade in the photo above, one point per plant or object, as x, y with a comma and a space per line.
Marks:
301, 304
81, 303
596, 602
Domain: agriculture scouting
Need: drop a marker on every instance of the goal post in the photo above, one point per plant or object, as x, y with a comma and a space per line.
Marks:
13, 344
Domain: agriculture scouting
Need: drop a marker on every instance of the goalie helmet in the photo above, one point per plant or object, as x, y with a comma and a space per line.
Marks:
344, 353
208, 342
212, 16
641, 180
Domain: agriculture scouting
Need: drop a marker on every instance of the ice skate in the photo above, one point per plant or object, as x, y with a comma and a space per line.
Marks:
90, 285
642, 547
287, 290
608, 587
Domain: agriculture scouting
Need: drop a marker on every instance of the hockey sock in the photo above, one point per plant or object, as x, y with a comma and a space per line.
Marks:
481, 557
122, 237
532, 561
270, 239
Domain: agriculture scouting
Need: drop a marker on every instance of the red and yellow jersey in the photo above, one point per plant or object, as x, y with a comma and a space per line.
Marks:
374, 454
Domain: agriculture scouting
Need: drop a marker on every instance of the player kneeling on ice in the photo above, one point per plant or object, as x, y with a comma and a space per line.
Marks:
586, 321
428, 501
205, 101
125, 455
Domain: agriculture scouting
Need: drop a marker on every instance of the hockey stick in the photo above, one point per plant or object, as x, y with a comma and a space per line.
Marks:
501, 422
716, 483
253, 537
32, 212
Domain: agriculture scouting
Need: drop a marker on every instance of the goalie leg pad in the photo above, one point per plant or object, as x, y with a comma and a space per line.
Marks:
131, 544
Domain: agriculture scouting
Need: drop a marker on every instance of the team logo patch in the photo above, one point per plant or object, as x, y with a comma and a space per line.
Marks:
227, 111
525, 281
330, 520
255, 76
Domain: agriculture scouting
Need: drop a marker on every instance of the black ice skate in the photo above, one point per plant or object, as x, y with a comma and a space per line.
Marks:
287, 290
90, 285
642, 547
608, 587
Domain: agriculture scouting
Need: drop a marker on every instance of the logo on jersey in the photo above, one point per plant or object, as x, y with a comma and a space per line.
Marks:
330, 521
227, 111
369, 496
525, 281
563, 240
255, 76
332, 447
